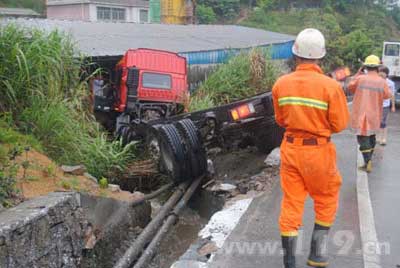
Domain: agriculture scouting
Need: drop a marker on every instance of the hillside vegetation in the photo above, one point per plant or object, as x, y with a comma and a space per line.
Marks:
44, 106
354, 29
37, 5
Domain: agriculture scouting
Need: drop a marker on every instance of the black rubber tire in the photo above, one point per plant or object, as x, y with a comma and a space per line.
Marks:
172, 153
269, 136
194, 146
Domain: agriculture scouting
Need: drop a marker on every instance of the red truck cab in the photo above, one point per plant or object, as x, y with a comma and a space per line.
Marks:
145, 84
148, 75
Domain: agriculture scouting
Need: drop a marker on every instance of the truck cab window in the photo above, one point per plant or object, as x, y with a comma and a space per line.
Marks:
392, 50
158, 81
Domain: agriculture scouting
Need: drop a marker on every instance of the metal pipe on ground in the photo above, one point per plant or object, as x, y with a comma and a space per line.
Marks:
151, 229
153, 194
153, 247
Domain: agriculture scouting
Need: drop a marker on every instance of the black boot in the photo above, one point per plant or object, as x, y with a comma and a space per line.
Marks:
289, 251
319, 247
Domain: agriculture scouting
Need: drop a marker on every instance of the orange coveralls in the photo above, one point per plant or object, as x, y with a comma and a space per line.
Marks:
369, 92
309, 105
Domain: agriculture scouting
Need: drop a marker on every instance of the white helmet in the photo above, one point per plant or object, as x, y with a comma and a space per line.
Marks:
310, 44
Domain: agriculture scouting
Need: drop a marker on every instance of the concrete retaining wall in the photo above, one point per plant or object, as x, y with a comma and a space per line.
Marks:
43, 232
68, 230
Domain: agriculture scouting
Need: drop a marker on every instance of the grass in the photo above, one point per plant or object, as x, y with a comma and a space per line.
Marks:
44, 92
245, 75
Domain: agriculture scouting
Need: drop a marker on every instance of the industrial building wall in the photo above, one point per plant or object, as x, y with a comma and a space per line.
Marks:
277, 52
155, 11
173, 11
69, 12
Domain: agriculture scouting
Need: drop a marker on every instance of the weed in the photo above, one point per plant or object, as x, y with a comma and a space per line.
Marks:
103, 183
32, 178
65, 184
75, 184
8, 172
50, 170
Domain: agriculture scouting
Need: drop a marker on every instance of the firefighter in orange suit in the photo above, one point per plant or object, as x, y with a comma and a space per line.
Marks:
369, 92
310, 106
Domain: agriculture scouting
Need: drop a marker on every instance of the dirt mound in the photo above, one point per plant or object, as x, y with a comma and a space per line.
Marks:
38, 175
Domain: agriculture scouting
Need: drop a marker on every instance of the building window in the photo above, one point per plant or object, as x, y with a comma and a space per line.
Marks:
111, 14
144, 15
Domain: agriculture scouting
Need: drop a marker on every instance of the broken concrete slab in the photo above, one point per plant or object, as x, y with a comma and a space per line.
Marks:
189, 264
74, 170
114, 188
223, 187
274, 158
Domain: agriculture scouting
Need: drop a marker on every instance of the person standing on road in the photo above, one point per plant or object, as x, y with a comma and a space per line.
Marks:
369, 92
310, 106
384, 73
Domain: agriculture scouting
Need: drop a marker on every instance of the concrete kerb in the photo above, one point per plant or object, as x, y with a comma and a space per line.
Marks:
367, 223
216, 231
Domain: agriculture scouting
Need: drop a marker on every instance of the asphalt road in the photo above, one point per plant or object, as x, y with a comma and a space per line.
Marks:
255, 242
384, 186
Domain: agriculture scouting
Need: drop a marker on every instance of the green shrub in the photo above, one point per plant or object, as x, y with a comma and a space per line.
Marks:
245, 75
201, 102
43, 89
103, 183
8, 171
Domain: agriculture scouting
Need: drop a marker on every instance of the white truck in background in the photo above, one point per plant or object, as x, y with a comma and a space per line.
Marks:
391, 59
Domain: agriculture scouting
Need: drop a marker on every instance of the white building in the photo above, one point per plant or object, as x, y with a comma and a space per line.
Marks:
99, 10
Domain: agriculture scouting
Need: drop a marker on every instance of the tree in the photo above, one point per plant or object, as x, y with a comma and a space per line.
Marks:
205, 15
355, 46
226, 9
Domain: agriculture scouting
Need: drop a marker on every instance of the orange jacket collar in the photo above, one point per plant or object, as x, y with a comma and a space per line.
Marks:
309, 67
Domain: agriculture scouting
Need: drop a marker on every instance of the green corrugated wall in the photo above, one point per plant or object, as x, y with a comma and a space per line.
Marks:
155, 11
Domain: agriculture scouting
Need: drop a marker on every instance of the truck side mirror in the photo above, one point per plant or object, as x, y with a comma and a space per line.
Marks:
132, 83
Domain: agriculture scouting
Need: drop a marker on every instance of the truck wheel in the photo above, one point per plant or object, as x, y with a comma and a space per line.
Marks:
173, 156
268, 137
194, 146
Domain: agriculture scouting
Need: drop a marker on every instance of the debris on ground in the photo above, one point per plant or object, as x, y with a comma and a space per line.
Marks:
207, 249
244, 173
39, 176
223, 187
114, 188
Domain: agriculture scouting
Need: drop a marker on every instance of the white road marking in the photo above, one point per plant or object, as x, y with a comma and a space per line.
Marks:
367, 222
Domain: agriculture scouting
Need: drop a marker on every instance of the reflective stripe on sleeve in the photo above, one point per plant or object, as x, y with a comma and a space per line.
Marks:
314, 103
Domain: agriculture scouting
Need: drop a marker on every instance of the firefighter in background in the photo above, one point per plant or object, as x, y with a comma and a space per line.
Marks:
369, 91
310, 106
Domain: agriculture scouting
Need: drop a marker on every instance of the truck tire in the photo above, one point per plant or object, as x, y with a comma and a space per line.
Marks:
172, 153
194, 147
268, 137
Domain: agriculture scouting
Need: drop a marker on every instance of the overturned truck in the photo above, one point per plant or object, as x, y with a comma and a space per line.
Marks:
144, 101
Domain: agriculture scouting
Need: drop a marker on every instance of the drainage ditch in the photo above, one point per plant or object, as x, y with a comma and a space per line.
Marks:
237, 175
